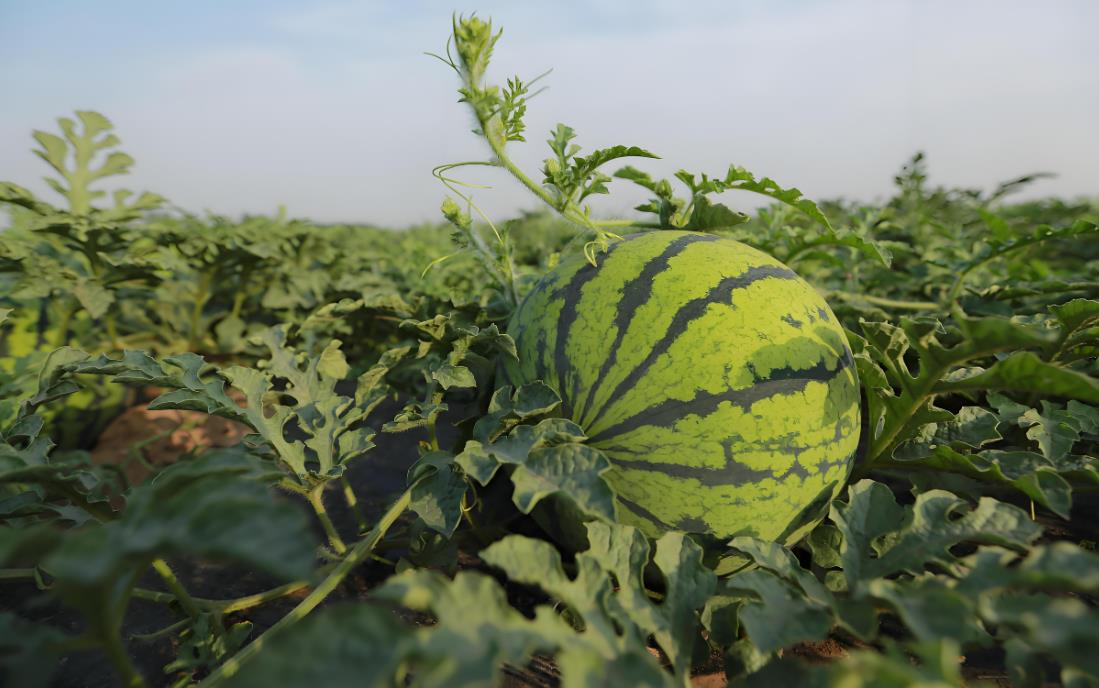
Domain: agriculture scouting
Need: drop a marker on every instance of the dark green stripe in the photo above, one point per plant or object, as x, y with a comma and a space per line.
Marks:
570, 294
732, 473
524, 333
667, 412
692, 310
636, 294
820, 371
729, 474
640, 511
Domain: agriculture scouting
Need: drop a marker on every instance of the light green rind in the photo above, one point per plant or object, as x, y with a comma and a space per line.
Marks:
729, 418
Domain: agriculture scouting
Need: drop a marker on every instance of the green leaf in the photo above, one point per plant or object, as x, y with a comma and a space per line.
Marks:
709, 216
1030, 473
437, 491
602, 156
989, 250
572, 470
29, 651
1079, 321
1025, 371
205, 644
1065, 628
1056, 430
94, 297
457, 377
54, 150
546, 460
939, 666
83, 149
824, 542
215, 507
971, 428
332, 424
53, 383
332, 362
741, 179
510, 407
618, 622
931, 610
1060, 565
185, 376
477, 631
582, 668
779, 615
883, 538
900, 402
348, 644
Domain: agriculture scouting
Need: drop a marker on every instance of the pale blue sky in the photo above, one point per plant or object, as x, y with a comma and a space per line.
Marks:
331, 108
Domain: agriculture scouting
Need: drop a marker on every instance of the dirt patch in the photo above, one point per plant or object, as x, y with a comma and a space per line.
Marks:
817, 652
140, 441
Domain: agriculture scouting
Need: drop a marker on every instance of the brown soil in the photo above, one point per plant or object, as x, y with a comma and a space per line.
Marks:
140, 440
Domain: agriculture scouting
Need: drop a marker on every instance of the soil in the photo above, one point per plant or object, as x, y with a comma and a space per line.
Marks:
141, 441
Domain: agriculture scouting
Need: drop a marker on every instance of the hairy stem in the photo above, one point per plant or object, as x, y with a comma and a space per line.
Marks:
316, 500
106, 627
112, 330
249, 601
167, 630
16, 574
225, 606
353, 503
182, 596
497, 144
62, 333
202, 295
241, 295
116, 652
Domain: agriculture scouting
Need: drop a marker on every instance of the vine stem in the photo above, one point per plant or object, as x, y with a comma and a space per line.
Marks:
62, 335
116, 653
167, 630
316, 500
488, 260
927, 388
355, 556
956, 287
353, 502
202, 295
497, 146
885, 442
249, 601
169, 577
566, 209
889, 303
433, 417
225, 606
106, 628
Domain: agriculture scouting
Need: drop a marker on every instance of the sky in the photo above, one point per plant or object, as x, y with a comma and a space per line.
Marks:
333, 110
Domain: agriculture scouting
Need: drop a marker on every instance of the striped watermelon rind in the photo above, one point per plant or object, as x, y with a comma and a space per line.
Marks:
717, 381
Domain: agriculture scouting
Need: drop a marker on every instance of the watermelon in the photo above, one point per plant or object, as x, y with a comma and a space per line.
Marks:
717, 381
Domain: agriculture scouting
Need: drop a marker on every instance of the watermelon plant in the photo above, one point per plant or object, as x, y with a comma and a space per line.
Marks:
835, 444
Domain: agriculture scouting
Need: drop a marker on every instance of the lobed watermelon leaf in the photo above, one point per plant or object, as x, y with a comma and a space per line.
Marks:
346, 644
